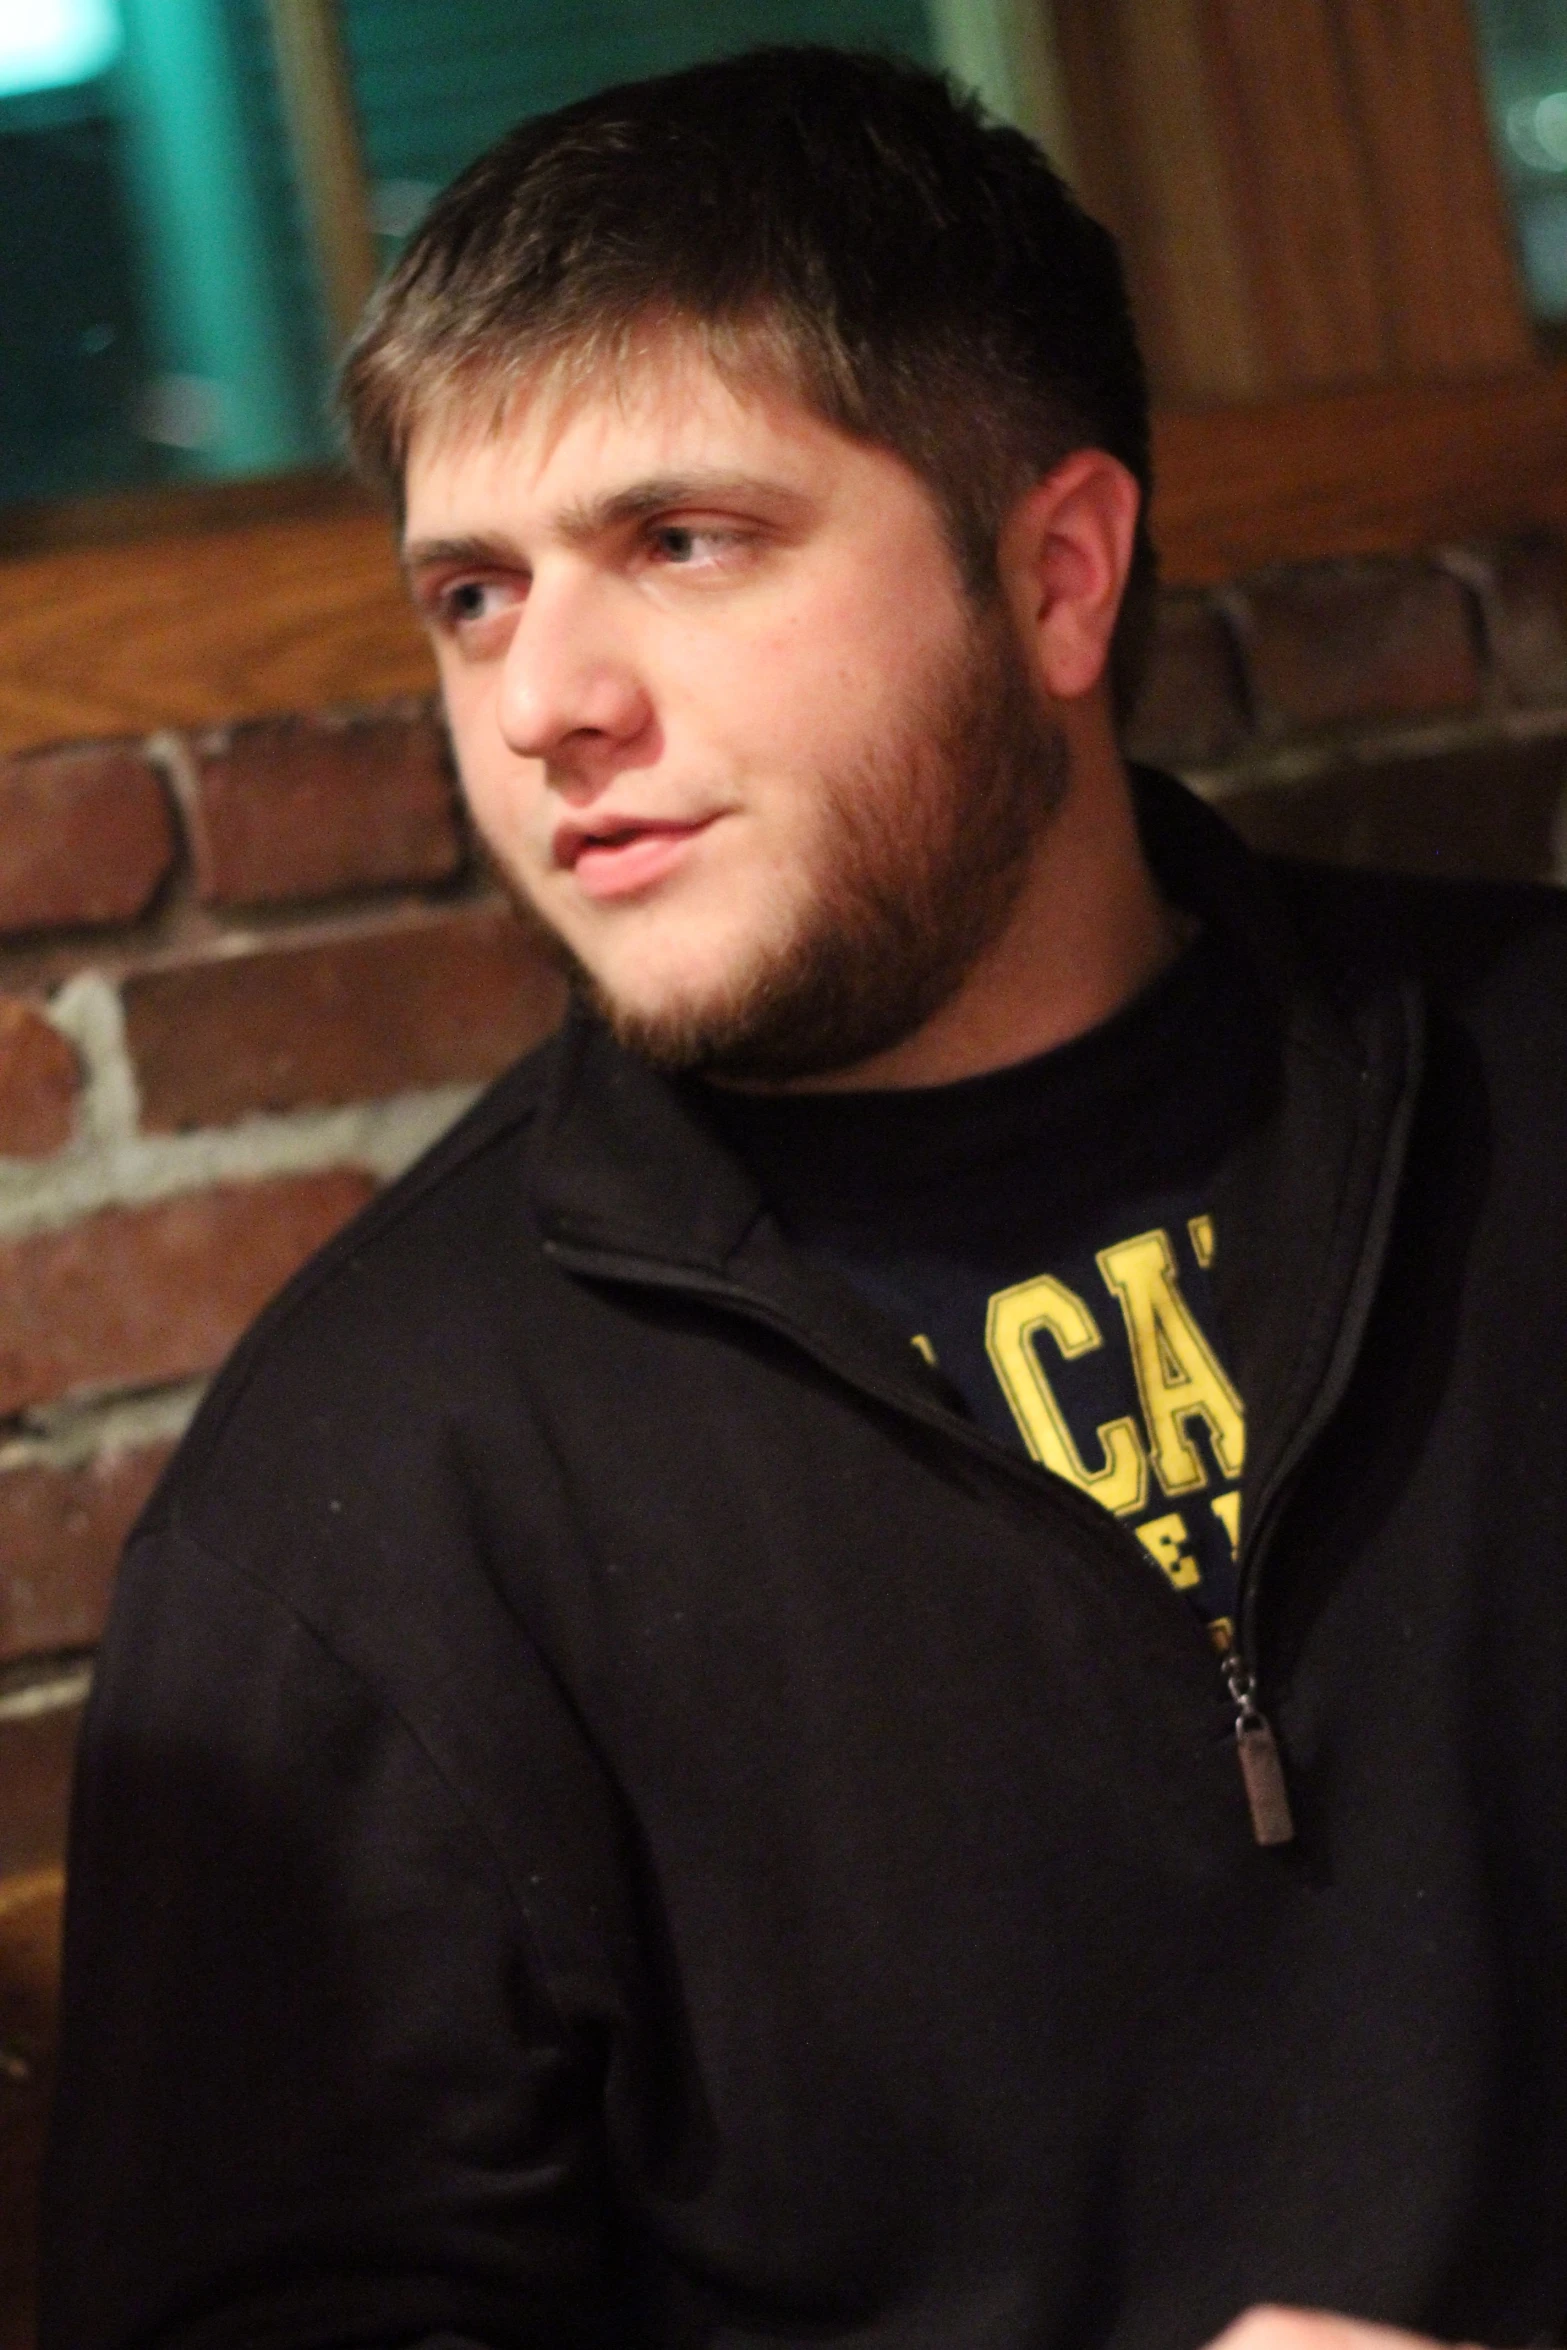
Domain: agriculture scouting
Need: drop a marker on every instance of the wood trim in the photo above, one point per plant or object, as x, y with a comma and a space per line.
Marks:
298, 610
291, 613
1388, 469
323, 130
181, 509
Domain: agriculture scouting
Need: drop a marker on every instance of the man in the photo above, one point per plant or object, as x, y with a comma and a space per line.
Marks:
884, 1659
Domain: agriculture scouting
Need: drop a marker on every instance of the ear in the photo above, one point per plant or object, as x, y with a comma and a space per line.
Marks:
1063, 558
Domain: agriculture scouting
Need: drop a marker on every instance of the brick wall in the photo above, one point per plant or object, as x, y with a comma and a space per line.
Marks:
245, 977
1411, 714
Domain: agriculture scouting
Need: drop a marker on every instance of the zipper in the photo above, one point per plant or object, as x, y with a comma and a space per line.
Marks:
1257, 1752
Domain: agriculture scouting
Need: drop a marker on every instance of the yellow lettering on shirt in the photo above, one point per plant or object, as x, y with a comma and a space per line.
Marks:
1013, 1325
1226, 1507
1165, 1541
1179, 1377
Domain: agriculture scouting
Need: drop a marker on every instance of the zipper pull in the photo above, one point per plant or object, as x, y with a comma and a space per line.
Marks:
1257, 1752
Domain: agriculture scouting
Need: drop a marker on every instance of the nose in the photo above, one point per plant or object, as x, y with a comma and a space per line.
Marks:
571, 690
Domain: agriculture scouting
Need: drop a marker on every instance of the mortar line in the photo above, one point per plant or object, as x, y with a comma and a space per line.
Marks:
135, 1170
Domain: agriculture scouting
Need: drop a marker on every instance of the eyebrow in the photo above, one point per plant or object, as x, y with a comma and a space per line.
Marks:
481, 552
661, 491
590, 518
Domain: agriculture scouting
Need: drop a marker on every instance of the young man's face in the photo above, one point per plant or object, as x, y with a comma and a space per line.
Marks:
726, 717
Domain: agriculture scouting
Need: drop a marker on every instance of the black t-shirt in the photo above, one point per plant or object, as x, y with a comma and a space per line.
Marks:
1045, 1234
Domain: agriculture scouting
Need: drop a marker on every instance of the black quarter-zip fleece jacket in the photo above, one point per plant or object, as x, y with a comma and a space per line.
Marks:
611, 1814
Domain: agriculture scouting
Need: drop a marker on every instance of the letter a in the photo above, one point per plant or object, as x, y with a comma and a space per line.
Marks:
1179, 1377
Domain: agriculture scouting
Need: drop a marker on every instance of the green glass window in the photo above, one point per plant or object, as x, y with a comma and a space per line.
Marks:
1523, 46
161, 308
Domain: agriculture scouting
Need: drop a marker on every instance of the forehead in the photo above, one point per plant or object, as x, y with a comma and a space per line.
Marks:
666, 411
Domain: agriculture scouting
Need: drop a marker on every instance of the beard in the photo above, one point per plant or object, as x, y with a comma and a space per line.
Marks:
922, 848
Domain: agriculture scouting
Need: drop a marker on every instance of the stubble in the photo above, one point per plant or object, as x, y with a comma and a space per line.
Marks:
922, 847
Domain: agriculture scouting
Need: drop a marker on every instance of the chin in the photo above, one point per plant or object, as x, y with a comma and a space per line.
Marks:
678, 1029
683, 1011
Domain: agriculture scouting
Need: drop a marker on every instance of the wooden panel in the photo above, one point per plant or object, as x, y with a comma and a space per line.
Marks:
1455, 301
1309, 241
1305, 191
284, 614
179, 509
1149, 164
1387, 469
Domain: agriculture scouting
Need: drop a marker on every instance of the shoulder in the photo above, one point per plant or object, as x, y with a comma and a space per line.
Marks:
1483, 950
336, 1418
1458, 937
1487, 964
363, 1531
1489, 959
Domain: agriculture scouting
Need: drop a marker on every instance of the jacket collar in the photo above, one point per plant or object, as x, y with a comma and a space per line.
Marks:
630, 1184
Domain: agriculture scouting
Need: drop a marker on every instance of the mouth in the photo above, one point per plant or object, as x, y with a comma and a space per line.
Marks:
622, 855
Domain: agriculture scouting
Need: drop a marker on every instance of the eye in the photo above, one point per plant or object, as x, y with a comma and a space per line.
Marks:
468, 600
687, 545
468, 609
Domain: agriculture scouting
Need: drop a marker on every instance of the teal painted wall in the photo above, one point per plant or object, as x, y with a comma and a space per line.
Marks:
434, 87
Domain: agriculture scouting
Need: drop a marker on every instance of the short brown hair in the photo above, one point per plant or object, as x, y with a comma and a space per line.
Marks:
918, 274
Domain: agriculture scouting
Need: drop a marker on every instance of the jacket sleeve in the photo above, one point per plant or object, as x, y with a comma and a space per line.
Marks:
313, 2090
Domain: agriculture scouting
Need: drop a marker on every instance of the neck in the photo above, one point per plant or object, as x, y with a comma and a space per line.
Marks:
1087, 932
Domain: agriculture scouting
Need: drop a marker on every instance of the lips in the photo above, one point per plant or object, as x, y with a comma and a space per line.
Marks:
619, 856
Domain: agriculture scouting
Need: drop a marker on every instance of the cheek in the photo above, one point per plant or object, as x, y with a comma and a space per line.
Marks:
506, 797
875, 645
804, 693
460, 705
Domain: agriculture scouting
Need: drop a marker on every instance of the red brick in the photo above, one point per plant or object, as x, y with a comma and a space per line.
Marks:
303, 807
39, 1079
1527, 611
1337, 643
1190, 711
1491, 813
88, 837
61, 1531
451, 995
134, 1296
